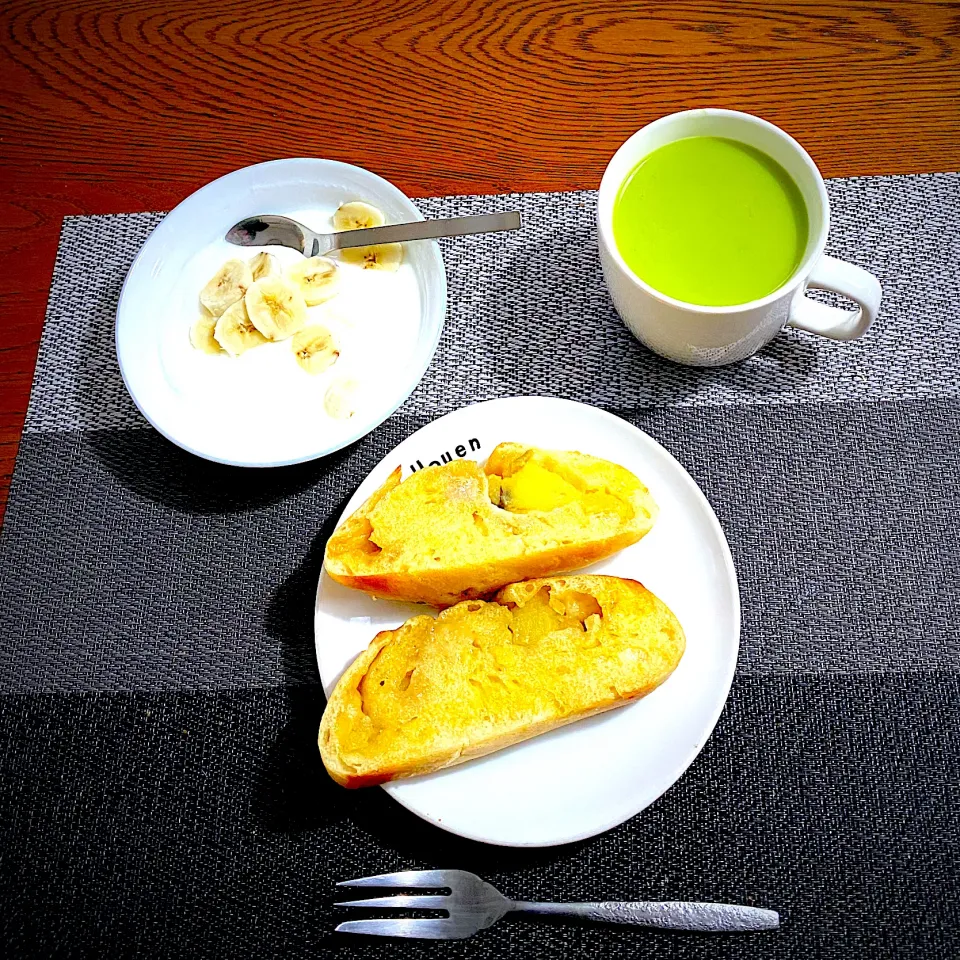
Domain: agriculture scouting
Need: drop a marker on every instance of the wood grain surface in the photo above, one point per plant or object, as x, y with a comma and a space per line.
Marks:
130, 105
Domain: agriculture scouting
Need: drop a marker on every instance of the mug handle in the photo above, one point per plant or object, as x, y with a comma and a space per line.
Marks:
848, 280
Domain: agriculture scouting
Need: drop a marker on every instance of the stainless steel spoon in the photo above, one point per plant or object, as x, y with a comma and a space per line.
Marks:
270, 229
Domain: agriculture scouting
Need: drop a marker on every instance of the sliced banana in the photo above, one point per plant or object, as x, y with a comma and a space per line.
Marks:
317, 277
383, 256
235, 332
315, 349
276, 308
265, 265
340, 400
357, 215
226, 286
201, 334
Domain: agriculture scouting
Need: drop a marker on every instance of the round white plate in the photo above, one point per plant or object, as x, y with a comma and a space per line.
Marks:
262, 409
588, 777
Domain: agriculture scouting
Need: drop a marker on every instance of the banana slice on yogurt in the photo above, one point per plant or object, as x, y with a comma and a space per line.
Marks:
318, 279
383, 256
340, 400
265, 265
235, 332
315, 348
226, 286
358, 215
201, 334
276, 307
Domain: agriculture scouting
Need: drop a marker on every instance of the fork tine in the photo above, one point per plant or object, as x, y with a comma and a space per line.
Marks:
410, 903
405, 878
420, 929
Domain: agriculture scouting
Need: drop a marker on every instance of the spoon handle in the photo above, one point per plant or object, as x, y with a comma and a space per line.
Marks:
423, 230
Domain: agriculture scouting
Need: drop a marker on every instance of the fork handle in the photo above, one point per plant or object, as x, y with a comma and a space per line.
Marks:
667, 915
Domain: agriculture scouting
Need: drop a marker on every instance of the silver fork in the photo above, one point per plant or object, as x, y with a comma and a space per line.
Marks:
473, 905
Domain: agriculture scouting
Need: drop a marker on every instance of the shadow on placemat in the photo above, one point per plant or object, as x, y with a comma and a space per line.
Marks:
787, 361
289, 614
297, 795
790, 357
146, 463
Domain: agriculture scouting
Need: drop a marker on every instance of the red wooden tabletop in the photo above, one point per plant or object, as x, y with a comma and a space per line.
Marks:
127, 105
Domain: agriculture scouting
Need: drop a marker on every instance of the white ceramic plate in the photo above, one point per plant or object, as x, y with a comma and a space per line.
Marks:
586, 778
261, 409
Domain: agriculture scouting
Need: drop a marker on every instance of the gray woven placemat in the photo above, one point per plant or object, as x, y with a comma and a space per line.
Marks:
161, 792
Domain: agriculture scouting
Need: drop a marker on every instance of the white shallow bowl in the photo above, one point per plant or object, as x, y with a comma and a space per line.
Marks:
583, 779
261, 409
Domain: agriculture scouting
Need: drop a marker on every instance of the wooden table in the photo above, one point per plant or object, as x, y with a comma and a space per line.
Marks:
128, 105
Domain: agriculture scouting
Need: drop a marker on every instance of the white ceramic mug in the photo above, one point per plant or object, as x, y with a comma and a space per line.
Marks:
710, 336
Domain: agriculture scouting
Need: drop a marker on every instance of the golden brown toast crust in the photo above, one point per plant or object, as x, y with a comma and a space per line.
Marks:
437, 537
482, 676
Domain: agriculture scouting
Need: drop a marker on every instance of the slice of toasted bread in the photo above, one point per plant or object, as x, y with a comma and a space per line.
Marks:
458, 531
482, 676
